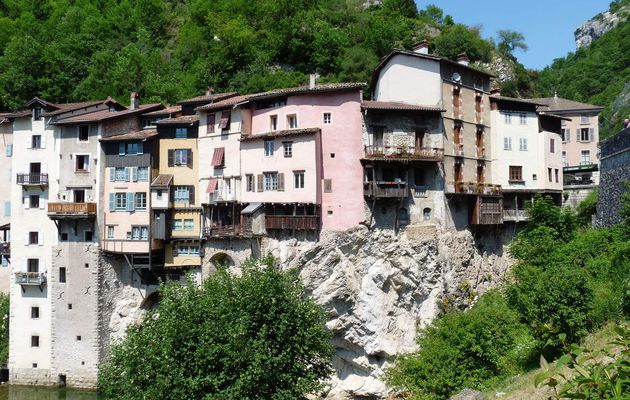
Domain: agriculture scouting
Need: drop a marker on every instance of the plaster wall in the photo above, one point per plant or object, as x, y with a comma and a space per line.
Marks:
410, 79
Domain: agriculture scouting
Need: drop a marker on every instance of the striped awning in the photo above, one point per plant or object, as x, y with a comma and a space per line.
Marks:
212, 185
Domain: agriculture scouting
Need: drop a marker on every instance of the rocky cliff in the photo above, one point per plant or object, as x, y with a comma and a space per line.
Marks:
599, 25
378, 288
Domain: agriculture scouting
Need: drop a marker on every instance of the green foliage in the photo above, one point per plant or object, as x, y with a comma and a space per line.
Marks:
543, 212
255, 336
591, 374
4, 329
458, 38
587, 208
471, 348
510, 41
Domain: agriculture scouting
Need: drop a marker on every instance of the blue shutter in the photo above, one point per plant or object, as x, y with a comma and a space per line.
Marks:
140, 148
134, 174
126, 174
112, 174
7, 208
112, 202
121, 149
130, 201
9, 150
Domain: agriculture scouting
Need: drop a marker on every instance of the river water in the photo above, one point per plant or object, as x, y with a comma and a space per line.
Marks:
32, 393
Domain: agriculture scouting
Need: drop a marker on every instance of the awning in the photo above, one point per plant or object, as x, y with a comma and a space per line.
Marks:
218, 157
212, 185
225, 118
251, 208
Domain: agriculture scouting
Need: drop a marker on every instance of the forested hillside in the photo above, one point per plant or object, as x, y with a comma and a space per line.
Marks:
69, 50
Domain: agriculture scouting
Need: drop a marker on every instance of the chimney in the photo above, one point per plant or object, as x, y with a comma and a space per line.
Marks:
463, 59
311, 81
133, 104
209, 90
422, 47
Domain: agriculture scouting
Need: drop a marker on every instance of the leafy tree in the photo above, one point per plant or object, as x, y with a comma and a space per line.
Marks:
4, 329
458, 38
406, 8
509, 41
587, 208
433, 13
543, 212
254, 336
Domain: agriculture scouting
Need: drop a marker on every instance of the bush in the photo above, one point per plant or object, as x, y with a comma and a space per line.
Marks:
4, 329
543, 212
471, 348
250, 337
587, 208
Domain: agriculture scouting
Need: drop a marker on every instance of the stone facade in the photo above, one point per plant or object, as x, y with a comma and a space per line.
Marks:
615, 174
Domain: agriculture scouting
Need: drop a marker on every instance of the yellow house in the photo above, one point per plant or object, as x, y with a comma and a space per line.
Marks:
175, 189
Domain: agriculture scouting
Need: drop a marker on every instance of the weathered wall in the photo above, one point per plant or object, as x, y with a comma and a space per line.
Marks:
615, 172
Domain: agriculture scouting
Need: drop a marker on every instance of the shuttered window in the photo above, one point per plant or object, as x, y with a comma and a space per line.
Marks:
211, 121
225, 120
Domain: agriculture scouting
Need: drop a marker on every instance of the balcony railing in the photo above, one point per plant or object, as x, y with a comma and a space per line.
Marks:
473, 188
32, 179
514, 215
385, 189
222, 231
404, 153
419, 191
297, 222
30, 278
71, 210
5, 248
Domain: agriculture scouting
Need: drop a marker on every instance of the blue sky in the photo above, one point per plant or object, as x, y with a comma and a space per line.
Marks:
548, 25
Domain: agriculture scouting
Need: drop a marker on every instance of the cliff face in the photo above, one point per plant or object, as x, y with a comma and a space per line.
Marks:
598, 26
378, 288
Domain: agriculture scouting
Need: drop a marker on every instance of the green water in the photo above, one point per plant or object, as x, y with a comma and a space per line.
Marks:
32, 393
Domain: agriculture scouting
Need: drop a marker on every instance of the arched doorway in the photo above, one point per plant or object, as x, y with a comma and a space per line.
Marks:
222, 259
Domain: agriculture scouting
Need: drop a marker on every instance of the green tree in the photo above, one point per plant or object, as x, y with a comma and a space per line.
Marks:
4, 329
509, 41
253, 336
587, 208
433, 13
458, 38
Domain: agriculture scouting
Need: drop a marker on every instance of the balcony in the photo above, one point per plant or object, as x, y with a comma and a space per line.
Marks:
481, 152
224, 231
71, 210
30, 278
404, 152
32, 179
473, 188
385, 190
292, 222
514, 215
458, 150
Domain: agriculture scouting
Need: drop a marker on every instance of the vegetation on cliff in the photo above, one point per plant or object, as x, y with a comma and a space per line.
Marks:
253, 336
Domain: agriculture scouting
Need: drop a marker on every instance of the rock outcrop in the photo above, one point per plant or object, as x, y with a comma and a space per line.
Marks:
598, 26
378, 288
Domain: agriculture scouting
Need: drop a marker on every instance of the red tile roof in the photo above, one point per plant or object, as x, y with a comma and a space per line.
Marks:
560, 104
103, 115
326, 87
67, 107
184, 119
227, 103
279, 134
162, 180
208, 98
398, 106
165, 111
135, 135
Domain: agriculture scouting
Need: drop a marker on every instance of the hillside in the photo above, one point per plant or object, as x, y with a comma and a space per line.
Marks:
65, 50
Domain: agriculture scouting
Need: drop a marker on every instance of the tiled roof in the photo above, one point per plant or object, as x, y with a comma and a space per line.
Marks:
515, 100
548, 114
103, 115
398, 106
223, 103
135, 135
279, 134
326, 87
165, 111
67, 107
560, 104
184, 119
162, 180
207, 98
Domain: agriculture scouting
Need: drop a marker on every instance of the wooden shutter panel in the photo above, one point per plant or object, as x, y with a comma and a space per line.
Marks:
577, 135
189, 158
112, 202
591, 134
175, 251
134, 174
171, 158
191, 194
211, 121
327, 185
281, 182
112, 174
130, 201
126, 174
260, 182
43, 141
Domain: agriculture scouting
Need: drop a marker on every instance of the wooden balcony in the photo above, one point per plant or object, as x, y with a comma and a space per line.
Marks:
225, 231
292, 222
71, 210
488, 211
385, 190
32, 179
475, 188
30, 278
406, 153
515, 215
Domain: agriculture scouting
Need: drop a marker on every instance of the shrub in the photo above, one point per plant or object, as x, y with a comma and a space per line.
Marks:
471, 348
543, 212
250, 337
587, 208
4, 329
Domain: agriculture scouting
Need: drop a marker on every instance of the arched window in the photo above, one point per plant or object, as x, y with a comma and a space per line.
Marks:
426, 214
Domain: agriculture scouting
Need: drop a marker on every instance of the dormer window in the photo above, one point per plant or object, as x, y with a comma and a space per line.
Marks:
112, 108
37, 113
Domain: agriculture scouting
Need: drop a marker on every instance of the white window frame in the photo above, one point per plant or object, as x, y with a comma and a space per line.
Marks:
122, 203
507, 118
269, 146
588, 134
180, 157
270, 180
111, 231
290, 118
140, 200
327, 118
585, 160
178, 224
178, 195
273, 122
522, 144
76, 160
188, 224
507, 143
287, 149
143, 174
523, 118
179, 130
298, 179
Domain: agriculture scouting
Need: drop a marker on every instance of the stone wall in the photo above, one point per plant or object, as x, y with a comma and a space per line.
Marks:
615, 172
573, 195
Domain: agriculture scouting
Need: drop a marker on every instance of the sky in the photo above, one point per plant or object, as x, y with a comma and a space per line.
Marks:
548, 25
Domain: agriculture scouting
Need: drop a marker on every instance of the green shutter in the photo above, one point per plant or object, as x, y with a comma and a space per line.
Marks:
112, 202
130, 201
134, 174
112, 174
126, 174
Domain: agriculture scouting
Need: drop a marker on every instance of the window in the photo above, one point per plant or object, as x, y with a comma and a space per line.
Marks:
62, 274
552, 145
82, 163
224, 124
585, 157
130, 149
549, 174
565, 134
141, 201
84, 133
36, 141
557, 175
110, 231
35, 342
149, 122
143, 174
507, 118
507, 143
292, 121
64, 237
250, 182
271, 180
271, 104
584, 119
78, 338
523, 118
181, 133
37, 113
298, 179
121, 201
288, 149
564, 158
182, 194
34, 200
273, 122
34, 312
522, 144
516, 173
139, 233
8, 151
327, 118
69, 306
584, 135
178, 224
33, 238
534, 177
268, 148
121, 174
181, 156
32, 265
186, 250
188, 224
